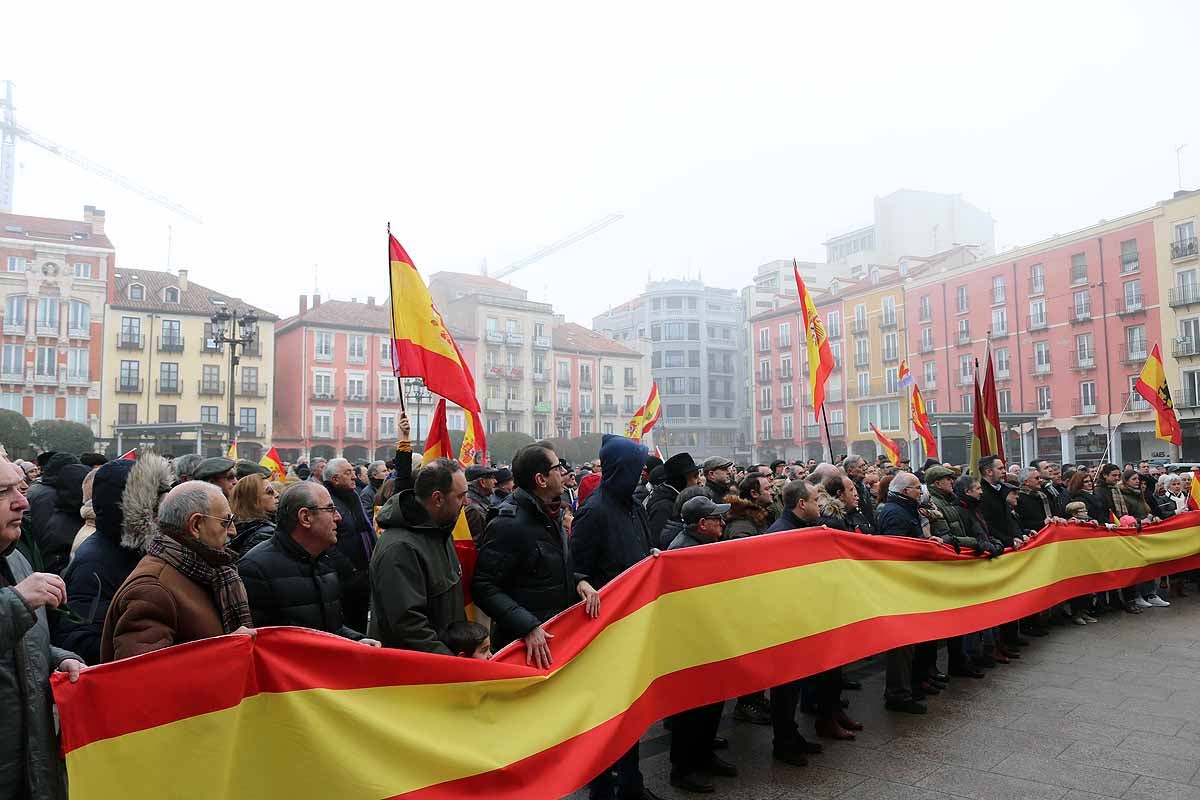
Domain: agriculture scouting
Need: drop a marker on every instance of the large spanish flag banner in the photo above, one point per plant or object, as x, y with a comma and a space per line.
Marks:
422, 347
294, 713
1152, 386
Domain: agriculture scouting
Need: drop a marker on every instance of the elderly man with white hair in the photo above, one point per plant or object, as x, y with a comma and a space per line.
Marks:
355, 541
185, 588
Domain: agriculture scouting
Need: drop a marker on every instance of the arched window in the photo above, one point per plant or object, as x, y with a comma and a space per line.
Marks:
137, 291
80, 316
14, 310
170, 295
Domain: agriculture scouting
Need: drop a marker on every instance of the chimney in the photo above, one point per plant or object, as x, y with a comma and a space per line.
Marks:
353, 299
95, 217
303, 304
316, 301
183, 284
371, 300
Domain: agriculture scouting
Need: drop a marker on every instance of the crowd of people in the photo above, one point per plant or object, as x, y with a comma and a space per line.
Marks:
103, 560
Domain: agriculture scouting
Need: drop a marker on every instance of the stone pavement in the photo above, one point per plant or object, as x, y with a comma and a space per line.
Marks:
1107, 710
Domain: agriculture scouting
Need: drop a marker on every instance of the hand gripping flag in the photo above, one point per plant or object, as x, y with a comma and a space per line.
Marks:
820, 354
890, 448
1152, 385
422, 346
645, 417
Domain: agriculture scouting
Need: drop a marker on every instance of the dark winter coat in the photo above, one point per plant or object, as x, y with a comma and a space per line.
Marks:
55, 539
834, 514
610, 533
641, 493
287, 586
524, 573
995, 513
477, 504
658, 509
355, 543
866, 501
951, 523
30, 763
1095, 507
43, 496
745, 518
788, 521
1034, 507
125, 496
1164, 506
416, 580
1135, 503
899, 517
250, 534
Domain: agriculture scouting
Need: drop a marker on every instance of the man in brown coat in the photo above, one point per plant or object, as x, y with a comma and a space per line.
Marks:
186, 587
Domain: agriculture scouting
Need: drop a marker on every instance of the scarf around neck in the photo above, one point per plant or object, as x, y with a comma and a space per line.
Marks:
207, 567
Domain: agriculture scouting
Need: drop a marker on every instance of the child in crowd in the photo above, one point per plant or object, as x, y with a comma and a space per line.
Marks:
468, 640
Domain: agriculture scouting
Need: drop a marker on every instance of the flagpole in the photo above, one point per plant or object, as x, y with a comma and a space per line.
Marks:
828, 436
392, 323
1108, 443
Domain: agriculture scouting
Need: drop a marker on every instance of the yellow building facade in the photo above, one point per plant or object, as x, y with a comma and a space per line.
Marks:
166, 384
1178, 261
874, 320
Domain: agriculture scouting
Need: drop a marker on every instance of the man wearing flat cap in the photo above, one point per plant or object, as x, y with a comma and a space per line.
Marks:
218, 471
245, 468
481, 482
717, 477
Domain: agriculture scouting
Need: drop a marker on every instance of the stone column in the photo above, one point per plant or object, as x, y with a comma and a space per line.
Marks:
1068, 446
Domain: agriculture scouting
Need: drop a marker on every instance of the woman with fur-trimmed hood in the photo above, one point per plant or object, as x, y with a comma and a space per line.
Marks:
750, 508
125, 497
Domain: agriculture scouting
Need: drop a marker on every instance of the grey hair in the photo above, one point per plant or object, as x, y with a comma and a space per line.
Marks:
1165, 479
902, 481
318, 460
1026, 473
186, 499
335, 464
301, 494
376, 465
852, 461
185, 465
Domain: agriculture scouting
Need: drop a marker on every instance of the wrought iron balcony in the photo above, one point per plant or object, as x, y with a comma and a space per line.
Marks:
217, 388
130, 341
130, 385
1184, 248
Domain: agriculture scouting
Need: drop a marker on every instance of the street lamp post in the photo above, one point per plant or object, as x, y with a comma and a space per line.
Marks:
235, 330
418, 394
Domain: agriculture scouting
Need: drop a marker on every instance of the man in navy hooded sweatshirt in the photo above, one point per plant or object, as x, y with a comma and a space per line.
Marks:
610, 534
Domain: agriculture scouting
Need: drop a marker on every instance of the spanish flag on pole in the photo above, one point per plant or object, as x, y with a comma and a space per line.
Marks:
890, 448
437, 444
645, 417
1152, 385
820, 354
422, 347
920, 420
272, 462
985, 435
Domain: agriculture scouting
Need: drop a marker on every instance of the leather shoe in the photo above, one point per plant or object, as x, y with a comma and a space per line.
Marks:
966, 671
828, 729
842, 719
940, 677
692, 781
748, 713
789, 754
928, 688
719, 766
852, 686
939, 684
720, 743
906, 706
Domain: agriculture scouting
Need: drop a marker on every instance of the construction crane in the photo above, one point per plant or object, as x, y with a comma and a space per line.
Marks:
10, 131
549, 249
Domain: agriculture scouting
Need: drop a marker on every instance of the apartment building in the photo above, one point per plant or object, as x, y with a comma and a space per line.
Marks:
598, 383
54, 281
167, 383
1177, 257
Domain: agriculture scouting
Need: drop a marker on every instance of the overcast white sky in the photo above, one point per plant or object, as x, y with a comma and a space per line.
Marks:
727, 134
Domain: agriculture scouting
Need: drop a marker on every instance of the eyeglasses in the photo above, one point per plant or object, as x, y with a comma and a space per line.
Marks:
226, 522
332, 509
559, 468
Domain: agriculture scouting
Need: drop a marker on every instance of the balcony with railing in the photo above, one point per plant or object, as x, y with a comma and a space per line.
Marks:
1130, 263
48, 379
130, 385
785, 374
1081, 314
1079, 275
1127, 305
1133, 353
963, 338
252, 431
513, 339
1037, 284
169, 344
858, 326
13, 375
540, 377
1185, 294
887, 322
327, 393
862, 359
212, 346
1185, 348
514, 373
168, 387
74, 331
926, 346
1138, 403
493, 337
609, 409
14, 328
493, 372
764, 405
130, 341
1038, 322
1082, 409
541, 342
388, 398
1000, 332
785, 402
516, 406
784, 342
964, 380
1184, 248
493, 404
764, 375
542, 407
585, 384
563, 381
764, 345
1037, 368
356, 394
872, 389
254, 350
1082, 360
253, 390
931, 383
891, 356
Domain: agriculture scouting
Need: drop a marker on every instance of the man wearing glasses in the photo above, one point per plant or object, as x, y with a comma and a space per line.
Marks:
525, 573
185, 588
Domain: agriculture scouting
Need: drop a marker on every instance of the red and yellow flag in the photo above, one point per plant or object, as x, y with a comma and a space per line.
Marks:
272, 462
890, 448
1193, 501
464, 548
1152, 385
437, 443
991, 408
130, 456
537, 734
422, 346
645, 417
920, 420
232, 451
474, 444
820, 354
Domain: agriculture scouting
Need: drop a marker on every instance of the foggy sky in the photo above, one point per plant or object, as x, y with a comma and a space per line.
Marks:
728, 135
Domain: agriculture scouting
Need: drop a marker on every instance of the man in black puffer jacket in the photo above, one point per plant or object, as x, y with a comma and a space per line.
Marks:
55, 540
524, 574
679, 472
43, 496
292, 578
355, 541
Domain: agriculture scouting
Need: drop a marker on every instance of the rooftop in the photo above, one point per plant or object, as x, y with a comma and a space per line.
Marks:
55, 231
370, 316
572, 338
195, 299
